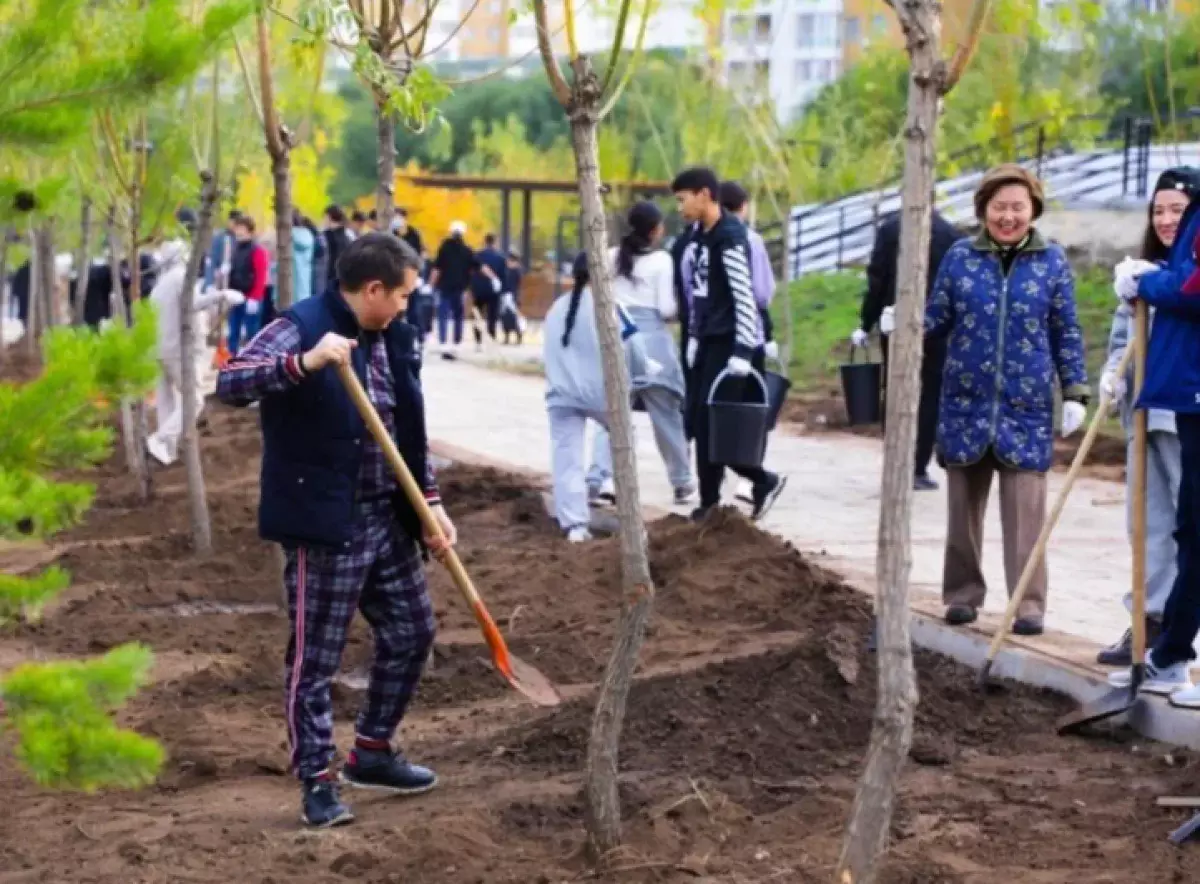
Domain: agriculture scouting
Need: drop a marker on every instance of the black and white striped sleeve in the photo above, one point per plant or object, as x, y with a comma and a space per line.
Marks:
736, 258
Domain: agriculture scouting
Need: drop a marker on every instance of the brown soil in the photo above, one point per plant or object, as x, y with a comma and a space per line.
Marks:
825, 412
745, 731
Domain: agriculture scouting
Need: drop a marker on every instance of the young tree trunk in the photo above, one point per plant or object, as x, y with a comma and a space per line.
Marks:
385, 187
281, 173
891, 734
603, 812
33, 312
133, 414
82, 262
4, 232
48, 274
279, 146
197, 495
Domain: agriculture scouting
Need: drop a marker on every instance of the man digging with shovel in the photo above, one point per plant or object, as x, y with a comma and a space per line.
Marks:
328, 496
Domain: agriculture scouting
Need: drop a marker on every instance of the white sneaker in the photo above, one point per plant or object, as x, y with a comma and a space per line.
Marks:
1164, 682
579, 534
158, 450
1187, 698
608, 491
744, 492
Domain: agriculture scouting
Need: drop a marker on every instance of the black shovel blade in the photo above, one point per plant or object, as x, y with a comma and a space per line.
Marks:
1116, 702
1186, 831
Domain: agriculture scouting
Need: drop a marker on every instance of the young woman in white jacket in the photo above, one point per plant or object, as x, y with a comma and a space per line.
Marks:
644, 286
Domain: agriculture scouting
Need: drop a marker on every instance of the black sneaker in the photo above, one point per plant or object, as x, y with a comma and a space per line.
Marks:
765, 495
1120, 653
700, 513
385, 770
323, 807
1027, 626
961, 615
922, 482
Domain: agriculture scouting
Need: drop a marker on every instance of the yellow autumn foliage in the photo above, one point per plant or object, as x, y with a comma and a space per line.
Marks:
430, 210
311, 178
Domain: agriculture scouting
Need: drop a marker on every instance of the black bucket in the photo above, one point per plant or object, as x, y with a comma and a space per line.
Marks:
737, 430
777, 390
861, 388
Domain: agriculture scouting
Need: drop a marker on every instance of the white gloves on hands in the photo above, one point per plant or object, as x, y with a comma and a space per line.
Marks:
1125, 277
496, 286
653, 367
507, 302
252, 307
233, 298
771, 350
1113, 386
738, 367
1073, 416
692, 346
859, 338
887, 321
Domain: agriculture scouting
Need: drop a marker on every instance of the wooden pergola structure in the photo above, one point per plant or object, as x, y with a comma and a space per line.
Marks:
527, 187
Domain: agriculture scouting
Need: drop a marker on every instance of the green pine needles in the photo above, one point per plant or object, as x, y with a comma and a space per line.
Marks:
59, 422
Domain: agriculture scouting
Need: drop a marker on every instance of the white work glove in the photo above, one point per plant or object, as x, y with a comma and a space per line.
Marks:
234, 298
653, 367
496, 284
859, 338
887, 321
738, 367
507, 302
1125, 277
1073, 416
252, 307
692, 346
771, 350
1112, 385
425, 289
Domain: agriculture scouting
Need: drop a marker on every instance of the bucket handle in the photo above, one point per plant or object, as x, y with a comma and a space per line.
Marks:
762, 385
854, 349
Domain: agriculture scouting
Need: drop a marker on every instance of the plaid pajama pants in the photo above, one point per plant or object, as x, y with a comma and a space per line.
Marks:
381, 574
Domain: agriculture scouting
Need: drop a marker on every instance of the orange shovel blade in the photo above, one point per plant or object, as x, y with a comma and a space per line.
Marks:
525, 678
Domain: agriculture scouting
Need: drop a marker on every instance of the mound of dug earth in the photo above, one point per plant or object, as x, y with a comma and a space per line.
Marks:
745, 731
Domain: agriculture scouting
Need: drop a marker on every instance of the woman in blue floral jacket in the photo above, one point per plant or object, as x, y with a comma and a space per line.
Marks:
1006, 302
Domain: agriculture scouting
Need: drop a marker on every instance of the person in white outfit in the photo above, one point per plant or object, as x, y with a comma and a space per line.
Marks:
644, 286
575, 393
167, 295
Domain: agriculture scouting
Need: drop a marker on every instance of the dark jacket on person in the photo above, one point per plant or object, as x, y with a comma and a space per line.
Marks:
313, 435
716, 280
454, 262
336, 241
1172, 380
881, 271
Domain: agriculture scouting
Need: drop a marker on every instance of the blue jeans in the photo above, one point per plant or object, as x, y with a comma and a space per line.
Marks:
1181, 619
450, 306
240, 321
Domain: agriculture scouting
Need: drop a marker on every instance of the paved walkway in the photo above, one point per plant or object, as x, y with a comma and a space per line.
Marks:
831, 506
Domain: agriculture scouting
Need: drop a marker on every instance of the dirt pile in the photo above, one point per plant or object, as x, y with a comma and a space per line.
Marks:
745, 730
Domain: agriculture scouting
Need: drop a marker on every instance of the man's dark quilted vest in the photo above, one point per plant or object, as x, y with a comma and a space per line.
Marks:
313, 436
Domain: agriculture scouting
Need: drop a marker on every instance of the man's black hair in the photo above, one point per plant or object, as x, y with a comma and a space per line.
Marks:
374, 257
696, 179
245, 221
373, 215
489, 239
733, 196
401, 211
335, 214
234, 214
358, 217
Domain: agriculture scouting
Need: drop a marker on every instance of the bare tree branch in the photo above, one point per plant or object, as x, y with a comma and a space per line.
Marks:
558, 80
249, 80
962, 55
629, 68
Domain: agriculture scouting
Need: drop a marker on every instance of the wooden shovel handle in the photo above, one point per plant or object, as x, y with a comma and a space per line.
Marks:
1138, 486
1039, 549
413, 491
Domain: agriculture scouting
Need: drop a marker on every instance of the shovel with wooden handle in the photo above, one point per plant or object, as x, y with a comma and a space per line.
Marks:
1039, 549
522, 676
1120, 700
